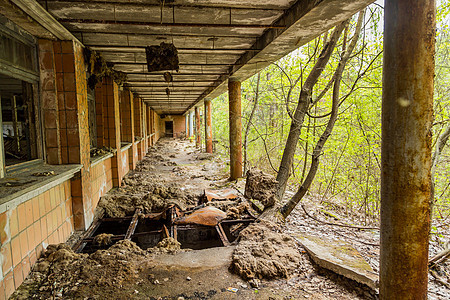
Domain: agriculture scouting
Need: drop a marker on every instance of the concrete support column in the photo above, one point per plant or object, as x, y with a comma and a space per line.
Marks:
112, 129
186, 125
191, 123
138, 125
49, 94
198, 137
126, 119
66, 126
234, 94
144, 126
127, 128
208, 127
149, 125
407, 115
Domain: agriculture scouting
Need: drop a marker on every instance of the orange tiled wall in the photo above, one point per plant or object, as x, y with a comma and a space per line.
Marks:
101, 180
158, 127
27, 229
179, 125
125, 164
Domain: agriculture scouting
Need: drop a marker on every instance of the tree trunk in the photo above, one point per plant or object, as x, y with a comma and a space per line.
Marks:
317, 152
440, 144
302, 107
249, 122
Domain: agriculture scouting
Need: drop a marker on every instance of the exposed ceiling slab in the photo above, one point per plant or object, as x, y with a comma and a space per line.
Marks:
216, 39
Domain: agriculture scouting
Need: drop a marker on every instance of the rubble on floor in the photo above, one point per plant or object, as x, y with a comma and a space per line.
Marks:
63, 274
265, 252
261, 253
261, 187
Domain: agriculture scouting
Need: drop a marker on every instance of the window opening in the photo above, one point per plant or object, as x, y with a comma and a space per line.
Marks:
18, 121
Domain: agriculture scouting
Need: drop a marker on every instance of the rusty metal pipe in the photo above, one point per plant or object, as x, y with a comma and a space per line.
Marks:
234, 94
208, 127
407, 114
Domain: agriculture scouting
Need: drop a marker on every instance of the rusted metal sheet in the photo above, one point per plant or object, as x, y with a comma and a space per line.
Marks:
234, 94
407, 116
208, 216
225, 194
208, 127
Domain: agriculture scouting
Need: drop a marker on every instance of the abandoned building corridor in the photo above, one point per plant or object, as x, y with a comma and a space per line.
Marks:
192, 262
111, 182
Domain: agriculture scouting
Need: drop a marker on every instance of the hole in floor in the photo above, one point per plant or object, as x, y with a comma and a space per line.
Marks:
198, 237
148, 230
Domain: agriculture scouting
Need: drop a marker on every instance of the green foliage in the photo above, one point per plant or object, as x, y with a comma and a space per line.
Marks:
349, 174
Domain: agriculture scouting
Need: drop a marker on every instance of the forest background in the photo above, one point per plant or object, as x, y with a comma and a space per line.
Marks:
348, 176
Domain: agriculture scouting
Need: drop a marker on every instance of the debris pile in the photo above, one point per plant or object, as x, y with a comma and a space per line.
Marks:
265, 253
102, 151
146, 195
162, 58
103, 239
261, 187
167, 245
62, 274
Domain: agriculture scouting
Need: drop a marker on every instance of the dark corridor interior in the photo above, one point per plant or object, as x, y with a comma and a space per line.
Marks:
169, 129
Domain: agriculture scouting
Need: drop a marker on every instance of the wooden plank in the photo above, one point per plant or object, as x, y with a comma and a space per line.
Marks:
222, 235
243, 4
78, 247
133, 224
44, 18
166, 231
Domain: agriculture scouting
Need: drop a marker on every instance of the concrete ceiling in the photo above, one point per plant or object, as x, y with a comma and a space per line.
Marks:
216, 39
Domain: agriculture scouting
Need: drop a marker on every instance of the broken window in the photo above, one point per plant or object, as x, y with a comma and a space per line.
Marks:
21, 139
18, 121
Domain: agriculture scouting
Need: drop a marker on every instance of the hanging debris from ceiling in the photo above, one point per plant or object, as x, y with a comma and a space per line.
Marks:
162, 58
99, 68
168, 77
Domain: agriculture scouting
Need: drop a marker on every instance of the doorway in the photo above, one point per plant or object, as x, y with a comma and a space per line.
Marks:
169, 128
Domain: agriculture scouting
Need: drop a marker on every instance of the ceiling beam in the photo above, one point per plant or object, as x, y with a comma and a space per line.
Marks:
119, 63
168, 37
259, 4
157, 73
190, 25
139, 49
175, 81
45, 19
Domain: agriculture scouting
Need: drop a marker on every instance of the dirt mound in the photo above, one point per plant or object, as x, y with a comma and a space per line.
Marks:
261, 186
265, 252
205, 156
156, 198
103, 239
237, 211
167, 245
63, 274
